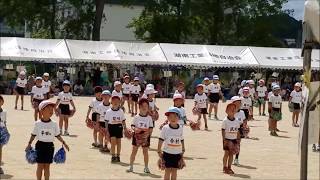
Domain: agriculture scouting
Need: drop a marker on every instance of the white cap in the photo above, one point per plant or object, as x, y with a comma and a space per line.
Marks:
106, 92
136, 79
177, 96
215, 77
150, 91
276, 87
273, 84
66, 82
45, 103
297, 84
235, 98
243, 82
38, 78
200, 85
116, 83
22, 73
206, 79
46, 74
150, 86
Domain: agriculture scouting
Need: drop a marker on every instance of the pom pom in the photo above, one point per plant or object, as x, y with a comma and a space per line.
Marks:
163, 124
181, 163
195, 125
128, 133
5, 136
31, 156
89, 123
60, 156
161, 164
196, 111
141, 138
72, 112
155, 115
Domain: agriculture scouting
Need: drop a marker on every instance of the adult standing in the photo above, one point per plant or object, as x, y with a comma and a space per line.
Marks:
20, 88
60, 77
214, 94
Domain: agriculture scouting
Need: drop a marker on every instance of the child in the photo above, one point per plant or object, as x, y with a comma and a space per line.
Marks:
116, 123
214, 95
153, 109
206, 82
103, 108
171, 137
178, 102
230, 137
126, 87
241, 117
135, 93
38, 94
46, 84
243, 84
180, 90
274, 108
142, 126
118, 92
296, 99
20, 88
261, 94
45, 130
94, 108
252, 92
3, 118
63, 107
246, 103
200, 102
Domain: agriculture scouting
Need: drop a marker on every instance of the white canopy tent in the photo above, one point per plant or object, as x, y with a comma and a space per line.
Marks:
232, 56
26, 49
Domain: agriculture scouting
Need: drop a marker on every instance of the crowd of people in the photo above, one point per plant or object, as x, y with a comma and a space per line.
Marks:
106, 118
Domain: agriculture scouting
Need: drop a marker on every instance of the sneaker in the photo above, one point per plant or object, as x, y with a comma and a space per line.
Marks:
130, 169
318, 148
61, 132
105, 149
146, 170
314, 148
118, 159
263, 114
66, 133
216, 117
230, 171
225, 170
1, 171
206, 128
277, 130
113, 159
259, 114
95, 145
236, 162
21, 107
15, 108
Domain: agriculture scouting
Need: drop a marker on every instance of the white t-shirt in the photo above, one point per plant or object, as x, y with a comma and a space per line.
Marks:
135, 89
296, 96
142, 122
240, 116
231, 128
183, 116
152, 105
94, 105
46, 85
206, 88
3, 118
102, 110
252, 91
201, 100
126, 88
183, 93
38, 92
65, 98
117, 93
270, 94
276, 101
246, 103
114, 116
261, 90
172, 139
215, 88
46, 131
21, 82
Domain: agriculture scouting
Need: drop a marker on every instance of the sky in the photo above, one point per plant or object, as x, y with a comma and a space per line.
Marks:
297, 6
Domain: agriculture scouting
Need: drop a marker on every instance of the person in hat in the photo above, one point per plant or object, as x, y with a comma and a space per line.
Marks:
178, 101
126, 87
116, 124
230, 137
274, 109
38, 94
252, 92
142, 126
20, 88
214, 96
201, 104
63, 107
242, 85
262, 96
3, 123
246, 103
117, 91
135, 94
206, 85
93, 107
46, 84
171, 144
181, 90
45, 130
153, 110
102, 110
296, 99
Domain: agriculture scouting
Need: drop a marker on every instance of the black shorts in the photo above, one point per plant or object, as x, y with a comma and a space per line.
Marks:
246, 112
94, 116
102, 124
171, 160
64, 109
135, 97
226, 147
214, 97
115, 130
127, 96
134, 142
203, 111
45, 152
20, 90
296, 106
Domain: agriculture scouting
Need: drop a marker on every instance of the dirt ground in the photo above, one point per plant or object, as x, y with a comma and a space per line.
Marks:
266, 157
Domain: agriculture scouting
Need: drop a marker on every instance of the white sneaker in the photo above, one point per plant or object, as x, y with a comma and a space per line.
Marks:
66, 133
236, 162
314, 148
146, 170
318, 148
130, 169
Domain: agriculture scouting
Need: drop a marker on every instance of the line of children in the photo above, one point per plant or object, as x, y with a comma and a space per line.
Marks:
38, 94
274, 109
296, 100
201, 104
93, 107
3, 124
262, 95
102, 109
45, 130
214, 96
142, 125
63, 107
20, 88
171, 145
135, 94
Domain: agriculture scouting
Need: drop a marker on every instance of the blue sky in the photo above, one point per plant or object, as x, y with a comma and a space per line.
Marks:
297, 6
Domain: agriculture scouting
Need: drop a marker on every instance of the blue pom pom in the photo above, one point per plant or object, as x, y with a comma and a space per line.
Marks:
5, 136
60, 156
31, 156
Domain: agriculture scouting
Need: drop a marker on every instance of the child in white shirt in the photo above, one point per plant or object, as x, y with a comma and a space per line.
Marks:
102, 110
126, 87
135, 94
20, 88
274, 108
262, 96
38, 94
201, 104
296, 100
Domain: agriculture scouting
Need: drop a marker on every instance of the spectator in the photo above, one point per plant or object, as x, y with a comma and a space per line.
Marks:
78, 88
